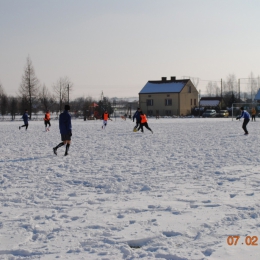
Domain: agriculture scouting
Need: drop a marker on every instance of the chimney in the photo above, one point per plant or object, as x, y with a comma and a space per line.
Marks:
164, 79
173, 78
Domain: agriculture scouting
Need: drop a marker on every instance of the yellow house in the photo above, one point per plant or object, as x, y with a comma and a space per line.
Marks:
168, 97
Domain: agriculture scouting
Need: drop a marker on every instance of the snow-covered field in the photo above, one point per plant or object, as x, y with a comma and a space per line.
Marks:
176, 194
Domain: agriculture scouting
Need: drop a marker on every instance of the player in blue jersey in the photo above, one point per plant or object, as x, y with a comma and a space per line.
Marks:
246, 117
65, 130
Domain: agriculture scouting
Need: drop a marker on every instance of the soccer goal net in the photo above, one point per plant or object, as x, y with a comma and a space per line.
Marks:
235, 109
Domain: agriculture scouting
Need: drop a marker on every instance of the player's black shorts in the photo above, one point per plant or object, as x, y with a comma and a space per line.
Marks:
65, 137
47, 122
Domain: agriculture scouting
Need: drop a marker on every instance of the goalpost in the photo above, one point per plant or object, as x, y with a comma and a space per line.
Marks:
247, 106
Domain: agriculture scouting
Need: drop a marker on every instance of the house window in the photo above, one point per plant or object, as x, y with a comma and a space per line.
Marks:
149, 95
150, 112
191, 101
168, 112
195, 102
149, 102
168, 102
168, 95
189, 89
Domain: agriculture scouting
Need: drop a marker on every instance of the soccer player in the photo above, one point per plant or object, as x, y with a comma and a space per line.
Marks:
25, 119
137, 118
144, 123
246, 117
47, 119
253, 113
65, 130
105, 117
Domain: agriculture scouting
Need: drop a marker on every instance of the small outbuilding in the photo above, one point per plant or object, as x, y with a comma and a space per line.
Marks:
211, 102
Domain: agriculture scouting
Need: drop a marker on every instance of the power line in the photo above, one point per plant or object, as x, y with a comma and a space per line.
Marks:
201, 79
218, 80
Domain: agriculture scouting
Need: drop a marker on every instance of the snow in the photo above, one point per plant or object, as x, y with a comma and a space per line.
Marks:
176, 194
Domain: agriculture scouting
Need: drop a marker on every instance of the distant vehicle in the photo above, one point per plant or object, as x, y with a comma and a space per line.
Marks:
209, 113
223, 113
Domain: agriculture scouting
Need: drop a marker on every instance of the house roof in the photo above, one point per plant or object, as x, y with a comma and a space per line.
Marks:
209, 103
257, 96
211, 98
170, 86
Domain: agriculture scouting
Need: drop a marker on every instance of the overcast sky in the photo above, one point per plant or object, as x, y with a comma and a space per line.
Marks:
118, 45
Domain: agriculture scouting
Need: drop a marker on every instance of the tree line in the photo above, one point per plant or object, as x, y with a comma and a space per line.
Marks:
36, 97
231, 89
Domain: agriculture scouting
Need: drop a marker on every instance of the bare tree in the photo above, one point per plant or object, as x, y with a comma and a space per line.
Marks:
62, 90
217, 90
29, 87
78, 104
23, 104
212, 89
46, 99
252, 85
87, 107
13, 107
195, 82
230, 90
230, 85
209, 89
1, 89
4, 104
3, 100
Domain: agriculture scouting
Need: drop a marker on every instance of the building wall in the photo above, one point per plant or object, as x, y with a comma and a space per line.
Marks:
181, 102
186, 97
159, 103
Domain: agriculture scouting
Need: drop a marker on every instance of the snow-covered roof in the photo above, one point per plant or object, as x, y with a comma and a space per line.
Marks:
209, 103
166, 87
257, 96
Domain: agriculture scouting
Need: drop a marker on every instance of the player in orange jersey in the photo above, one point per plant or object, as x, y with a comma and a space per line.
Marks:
105, 117
47, 119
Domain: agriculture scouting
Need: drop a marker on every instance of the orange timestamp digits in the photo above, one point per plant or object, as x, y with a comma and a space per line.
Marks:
249, 240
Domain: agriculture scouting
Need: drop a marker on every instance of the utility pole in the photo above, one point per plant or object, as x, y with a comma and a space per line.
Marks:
60, 96
251, 87
68, 94
251, 91
102, 96
199, 103
238, 90
221, 94
115, 113
102, 101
